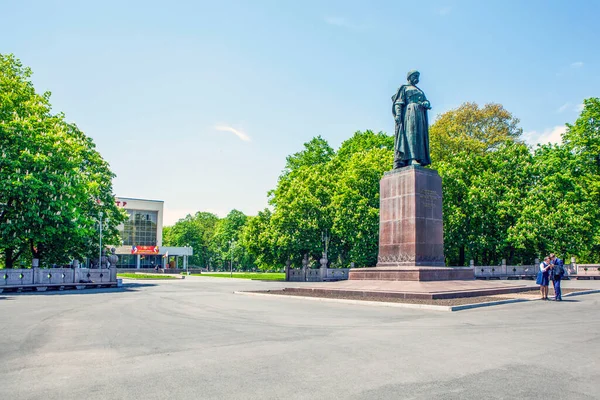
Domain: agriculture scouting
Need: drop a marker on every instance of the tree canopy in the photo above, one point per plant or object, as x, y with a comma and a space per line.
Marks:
54, 181
470, 129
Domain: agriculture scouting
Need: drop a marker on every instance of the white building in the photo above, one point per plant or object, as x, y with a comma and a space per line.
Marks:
141, 237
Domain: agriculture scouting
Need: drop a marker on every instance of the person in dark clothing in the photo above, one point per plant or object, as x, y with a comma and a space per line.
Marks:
557, 271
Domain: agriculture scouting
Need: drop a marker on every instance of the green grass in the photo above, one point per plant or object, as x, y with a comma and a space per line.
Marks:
263, 276
129, 275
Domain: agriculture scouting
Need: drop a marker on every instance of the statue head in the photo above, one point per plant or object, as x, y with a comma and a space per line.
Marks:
413, 76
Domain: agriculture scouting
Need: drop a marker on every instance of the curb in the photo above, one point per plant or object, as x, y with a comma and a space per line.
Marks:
395, 305
490, 303
152, 279
582, 293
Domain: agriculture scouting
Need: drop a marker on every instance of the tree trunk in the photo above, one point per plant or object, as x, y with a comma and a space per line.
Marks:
461, 255
8, 259
511, 256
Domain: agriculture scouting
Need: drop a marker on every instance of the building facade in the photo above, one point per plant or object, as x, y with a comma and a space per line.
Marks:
141, 237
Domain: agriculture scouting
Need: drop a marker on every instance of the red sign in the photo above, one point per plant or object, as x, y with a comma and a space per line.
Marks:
144, 250
124, 203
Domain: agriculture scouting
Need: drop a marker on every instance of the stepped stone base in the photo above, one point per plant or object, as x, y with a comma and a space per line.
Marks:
412, 273
416, 290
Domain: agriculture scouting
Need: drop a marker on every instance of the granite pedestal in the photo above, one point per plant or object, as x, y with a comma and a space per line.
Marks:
411, 236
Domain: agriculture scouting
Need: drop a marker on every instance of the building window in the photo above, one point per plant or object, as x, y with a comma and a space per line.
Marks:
140, 229
127, 261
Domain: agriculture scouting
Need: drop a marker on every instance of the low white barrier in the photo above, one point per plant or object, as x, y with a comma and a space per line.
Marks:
56, 277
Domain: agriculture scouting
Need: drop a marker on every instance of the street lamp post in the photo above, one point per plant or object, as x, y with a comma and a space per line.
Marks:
100, 253
231, 244
187, 261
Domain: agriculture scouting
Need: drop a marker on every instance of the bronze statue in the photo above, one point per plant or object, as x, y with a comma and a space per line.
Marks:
411, 140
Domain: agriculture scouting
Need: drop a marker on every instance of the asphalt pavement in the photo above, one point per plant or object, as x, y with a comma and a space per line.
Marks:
195, 339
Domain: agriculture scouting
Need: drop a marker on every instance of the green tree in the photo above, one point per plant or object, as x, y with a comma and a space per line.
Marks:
54, 182
226, 240
562, 213
259, 240
477, 152
338, 193
316, 151
196, 231
301, 203
363, 142
483, 199
355, 206
583, 140
471, 129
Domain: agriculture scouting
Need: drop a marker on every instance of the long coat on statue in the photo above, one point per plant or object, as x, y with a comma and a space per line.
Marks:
411, 140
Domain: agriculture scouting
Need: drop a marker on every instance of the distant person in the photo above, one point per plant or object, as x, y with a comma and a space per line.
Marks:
557, 271
543, 277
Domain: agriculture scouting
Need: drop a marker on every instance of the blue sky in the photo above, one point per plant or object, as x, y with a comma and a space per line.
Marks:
198, 103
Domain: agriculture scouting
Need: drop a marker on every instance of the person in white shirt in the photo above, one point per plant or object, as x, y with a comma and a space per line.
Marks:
543, 277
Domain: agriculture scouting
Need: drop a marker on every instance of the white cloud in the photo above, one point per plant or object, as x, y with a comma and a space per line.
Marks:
563, 108
240, 134
551, 135
579, 107
577, 64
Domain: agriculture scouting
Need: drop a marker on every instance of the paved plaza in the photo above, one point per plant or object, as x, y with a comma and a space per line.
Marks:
195, 339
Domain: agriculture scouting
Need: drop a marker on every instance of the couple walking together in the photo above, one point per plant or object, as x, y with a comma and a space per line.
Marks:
551, 269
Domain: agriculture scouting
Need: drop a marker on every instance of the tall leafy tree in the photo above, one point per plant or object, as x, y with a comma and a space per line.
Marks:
483, 196
301, 202
54, 182
226, 240
562, 214
472, 130
316, 151
334, 194
259, 239
583, 140
196, 231
355, 206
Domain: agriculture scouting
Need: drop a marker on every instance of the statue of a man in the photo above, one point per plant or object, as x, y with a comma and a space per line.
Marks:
411, 140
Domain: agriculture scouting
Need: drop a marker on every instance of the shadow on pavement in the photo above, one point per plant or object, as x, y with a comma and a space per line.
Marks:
127, 287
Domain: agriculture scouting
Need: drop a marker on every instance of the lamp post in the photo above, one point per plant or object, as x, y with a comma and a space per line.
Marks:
100, 253
231, 245
187, 261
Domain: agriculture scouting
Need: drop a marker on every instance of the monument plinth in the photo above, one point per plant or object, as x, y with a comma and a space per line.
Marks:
410, 218
411, 235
